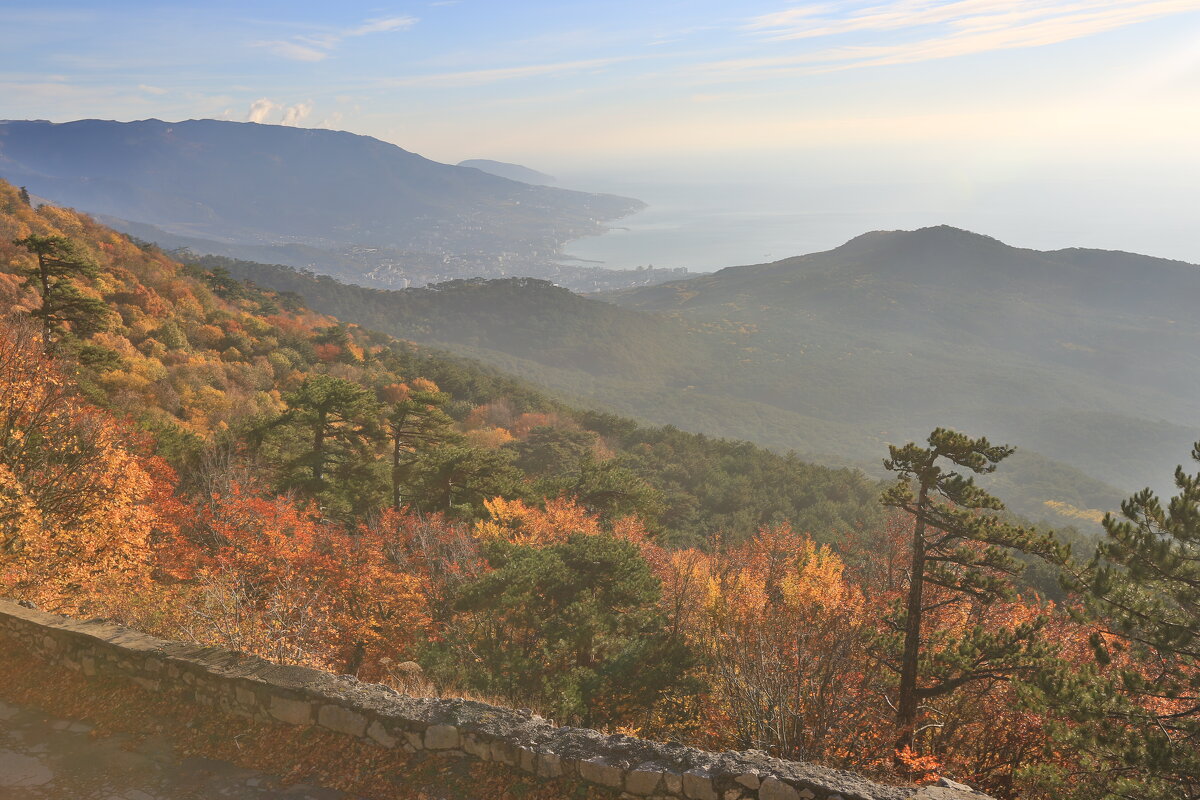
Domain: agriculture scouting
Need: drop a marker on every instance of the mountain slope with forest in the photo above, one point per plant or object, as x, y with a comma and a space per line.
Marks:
207, 460
370, 209
714, 374
201, 362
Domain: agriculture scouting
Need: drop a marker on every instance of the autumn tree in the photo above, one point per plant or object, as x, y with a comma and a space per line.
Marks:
60, 263
273, 577
962, 549
785, 638
79, 504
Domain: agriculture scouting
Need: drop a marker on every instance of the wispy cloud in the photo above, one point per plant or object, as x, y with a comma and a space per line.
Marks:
481, 77
318, 46
938, 29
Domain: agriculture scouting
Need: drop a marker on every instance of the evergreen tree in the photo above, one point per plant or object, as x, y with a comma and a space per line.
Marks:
1135, 714
962, 545
457, 478
415, 424
60, 264
333, 459
574, 627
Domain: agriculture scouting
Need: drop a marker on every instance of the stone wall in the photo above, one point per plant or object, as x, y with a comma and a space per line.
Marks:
252, 687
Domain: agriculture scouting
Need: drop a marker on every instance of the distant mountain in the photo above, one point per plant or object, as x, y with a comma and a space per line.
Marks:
1087, 360
899, 329
352, 205
514, 172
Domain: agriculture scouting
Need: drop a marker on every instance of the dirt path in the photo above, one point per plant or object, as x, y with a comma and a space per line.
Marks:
42, 758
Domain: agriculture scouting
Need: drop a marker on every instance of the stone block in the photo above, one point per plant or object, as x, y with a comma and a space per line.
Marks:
480, 749
414, 740
643, 782
246, 696
807, 794
750, 780
673, 784
775, 789
549, 765
504, 753
293, 712
342, 720
597, 770
733, 794
527, 759
441, 737
89, 665
698, 785
380, 734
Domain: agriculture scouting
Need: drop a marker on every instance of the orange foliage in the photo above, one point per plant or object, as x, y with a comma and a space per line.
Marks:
269, 577
79, 503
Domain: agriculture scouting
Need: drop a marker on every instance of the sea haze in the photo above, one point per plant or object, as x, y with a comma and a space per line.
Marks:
705, 220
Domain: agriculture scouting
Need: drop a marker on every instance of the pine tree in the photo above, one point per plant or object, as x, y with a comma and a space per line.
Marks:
1135, 714
60, 263
961, 545
415, 423
334, 459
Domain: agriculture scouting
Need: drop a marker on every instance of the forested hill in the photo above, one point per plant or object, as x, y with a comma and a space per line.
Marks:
1091, 357
1086, 360
211, 367
525, 317
722, 375
304, 196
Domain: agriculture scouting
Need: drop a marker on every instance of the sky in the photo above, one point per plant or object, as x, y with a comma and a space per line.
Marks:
1022, 110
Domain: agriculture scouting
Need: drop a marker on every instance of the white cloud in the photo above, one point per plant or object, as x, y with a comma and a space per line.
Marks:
156, 90
261, 108
318, 46
294, 115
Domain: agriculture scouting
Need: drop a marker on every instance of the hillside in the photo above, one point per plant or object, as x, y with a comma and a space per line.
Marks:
203, 459
199, 360
370, 210
912, 325
719, 374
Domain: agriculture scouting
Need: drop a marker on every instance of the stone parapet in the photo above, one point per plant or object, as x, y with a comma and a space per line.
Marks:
252, 687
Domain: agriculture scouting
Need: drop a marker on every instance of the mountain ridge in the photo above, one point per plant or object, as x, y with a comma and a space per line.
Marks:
378, 210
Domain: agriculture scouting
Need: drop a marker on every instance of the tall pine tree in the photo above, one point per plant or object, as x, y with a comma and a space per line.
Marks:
961, 544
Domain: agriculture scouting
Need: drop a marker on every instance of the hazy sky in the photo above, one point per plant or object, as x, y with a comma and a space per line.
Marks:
949, 95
